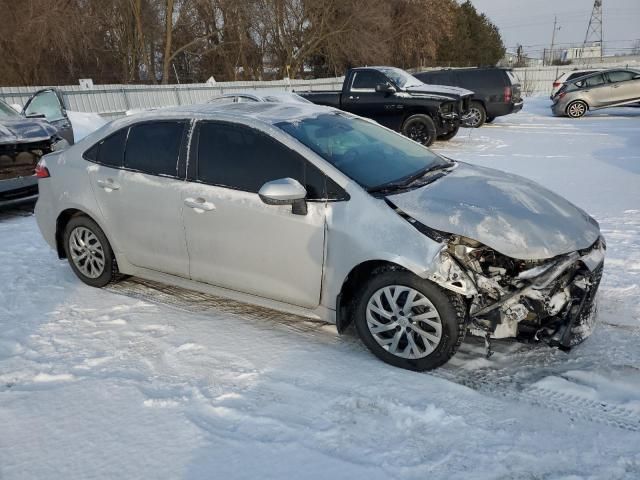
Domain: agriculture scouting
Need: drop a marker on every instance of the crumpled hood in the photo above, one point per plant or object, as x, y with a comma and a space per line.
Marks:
512, 215
455, 92
25, 130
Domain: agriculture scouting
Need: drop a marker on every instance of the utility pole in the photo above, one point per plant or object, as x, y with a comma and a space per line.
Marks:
594, 30
553, 38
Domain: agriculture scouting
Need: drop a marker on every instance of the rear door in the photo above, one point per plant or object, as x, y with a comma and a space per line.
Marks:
137, 181
598, 92
362, 99
235, 240
49, 103
625, 86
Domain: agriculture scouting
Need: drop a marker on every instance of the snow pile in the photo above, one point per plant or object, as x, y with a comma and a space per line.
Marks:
84, 123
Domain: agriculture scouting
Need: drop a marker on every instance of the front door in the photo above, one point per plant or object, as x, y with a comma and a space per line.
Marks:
235, 240
625, 87
48, 103
137, 185
362, 99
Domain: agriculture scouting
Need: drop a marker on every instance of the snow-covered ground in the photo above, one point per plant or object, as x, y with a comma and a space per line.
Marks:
145, 381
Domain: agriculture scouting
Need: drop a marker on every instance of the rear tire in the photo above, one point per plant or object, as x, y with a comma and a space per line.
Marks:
577, 109
420, 128
448, 136
478, 115
89, 252
409, 322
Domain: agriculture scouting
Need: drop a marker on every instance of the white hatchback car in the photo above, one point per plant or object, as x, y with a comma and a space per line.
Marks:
317, 212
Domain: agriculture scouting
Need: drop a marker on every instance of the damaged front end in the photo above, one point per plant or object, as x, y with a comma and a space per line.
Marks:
551, 300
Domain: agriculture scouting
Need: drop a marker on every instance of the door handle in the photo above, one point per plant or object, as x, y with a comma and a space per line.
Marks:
199, 204
108, 184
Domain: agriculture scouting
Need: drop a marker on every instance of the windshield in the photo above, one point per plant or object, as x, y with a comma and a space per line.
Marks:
364, 151
6, 112
401, 78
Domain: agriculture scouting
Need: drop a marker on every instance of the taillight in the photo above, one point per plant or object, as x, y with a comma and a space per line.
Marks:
507, 94
41, 170
560, 95
556, 84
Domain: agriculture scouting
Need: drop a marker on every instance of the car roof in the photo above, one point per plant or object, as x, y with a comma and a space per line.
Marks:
266, 112
600, 72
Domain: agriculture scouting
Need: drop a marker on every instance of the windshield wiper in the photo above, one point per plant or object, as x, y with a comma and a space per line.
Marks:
407, 182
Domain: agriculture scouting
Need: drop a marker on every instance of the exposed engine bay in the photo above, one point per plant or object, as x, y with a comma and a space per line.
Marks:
551, 300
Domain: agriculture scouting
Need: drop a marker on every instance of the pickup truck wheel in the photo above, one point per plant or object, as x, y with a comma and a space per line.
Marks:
448, 136
409, 322
477, 115
420, 128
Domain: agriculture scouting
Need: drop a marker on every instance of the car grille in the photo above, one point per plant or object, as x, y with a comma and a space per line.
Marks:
19, 160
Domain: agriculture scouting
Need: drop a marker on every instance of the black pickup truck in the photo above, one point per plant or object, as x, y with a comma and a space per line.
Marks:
399, 101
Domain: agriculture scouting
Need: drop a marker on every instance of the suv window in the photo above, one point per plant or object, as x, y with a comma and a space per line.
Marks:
481, 79
154, 147
367, 79
241, 158
620, 76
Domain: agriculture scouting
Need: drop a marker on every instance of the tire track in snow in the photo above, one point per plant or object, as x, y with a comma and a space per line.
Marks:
502, 379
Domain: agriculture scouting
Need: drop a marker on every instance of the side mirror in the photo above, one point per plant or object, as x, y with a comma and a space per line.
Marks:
35, 115
285, 191
385, 88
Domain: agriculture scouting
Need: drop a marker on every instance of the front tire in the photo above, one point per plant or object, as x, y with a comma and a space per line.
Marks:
88, 252
409, 322
420, 128
577, 109
477, 115
449, 135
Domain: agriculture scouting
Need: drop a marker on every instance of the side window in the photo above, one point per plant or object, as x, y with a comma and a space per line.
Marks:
591, 81
110, 151
620, 76
367, 80
577, 75
244, 159
245, 99
154, 147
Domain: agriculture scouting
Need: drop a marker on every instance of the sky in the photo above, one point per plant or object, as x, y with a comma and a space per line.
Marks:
530, 22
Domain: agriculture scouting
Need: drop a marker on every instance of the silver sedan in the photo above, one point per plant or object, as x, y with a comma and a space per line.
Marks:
313, 211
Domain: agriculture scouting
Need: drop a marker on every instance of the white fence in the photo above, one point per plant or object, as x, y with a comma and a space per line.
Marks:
113, 100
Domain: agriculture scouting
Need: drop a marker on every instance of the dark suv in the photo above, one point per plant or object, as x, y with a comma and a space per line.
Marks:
497, 90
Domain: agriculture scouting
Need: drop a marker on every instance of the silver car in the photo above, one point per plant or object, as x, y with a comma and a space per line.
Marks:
608, 88
266, 95
313, 211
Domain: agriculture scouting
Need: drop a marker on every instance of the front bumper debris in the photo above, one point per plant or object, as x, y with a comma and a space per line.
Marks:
552, 301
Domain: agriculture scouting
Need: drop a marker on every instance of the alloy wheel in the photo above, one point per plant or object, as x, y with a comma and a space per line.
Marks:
87, 253
404, 322
577, 109
418, 132
474, 117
